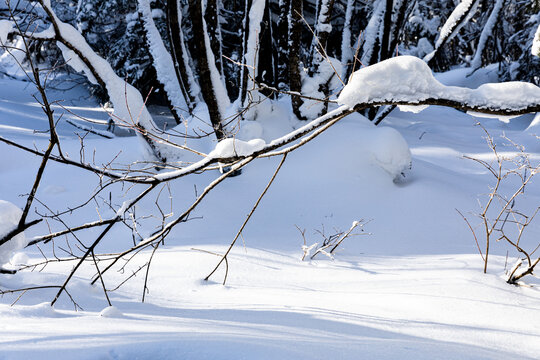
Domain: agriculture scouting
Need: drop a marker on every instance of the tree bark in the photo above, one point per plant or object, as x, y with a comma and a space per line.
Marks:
205, 77
295, 80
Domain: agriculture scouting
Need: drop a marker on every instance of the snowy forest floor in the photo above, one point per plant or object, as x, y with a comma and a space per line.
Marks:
412, 289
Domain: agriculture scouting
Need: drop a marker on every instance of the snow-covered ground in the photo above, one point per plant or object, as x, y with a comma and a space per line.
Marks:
412, 289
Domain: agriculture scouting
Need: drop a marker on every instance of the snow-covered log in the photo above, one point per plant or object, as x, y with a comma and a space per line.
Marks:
408, 80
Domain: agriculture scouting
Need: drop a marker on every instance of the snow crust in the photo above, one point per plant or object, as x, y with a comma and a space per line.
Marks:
409, 79
10, 215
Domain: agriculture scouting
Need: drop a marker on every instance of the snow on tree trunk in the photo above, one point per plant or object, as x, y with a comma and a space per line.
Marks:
322, 30
282, 42
487, 32
162, 61
129, 105
184, 74
211, 17
212, 88
251, 52
346, 46
457, 19
372, 34
408, 79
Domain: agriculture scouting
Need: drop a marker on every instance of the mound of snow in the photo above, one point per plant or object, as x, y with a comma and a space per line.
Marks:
9, 218
39, 310
389, 150
111, 312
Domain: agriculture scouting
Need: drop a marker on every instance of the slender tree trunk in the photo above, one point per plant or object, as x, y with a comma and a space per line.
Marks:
282, 45
179, 54
386, 28
211, 16
265, 66
245, 71
295, 80
206, 78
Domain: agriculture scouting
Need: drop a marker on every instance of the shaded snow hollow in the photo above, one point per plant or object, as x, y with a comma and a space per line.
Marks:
409, 79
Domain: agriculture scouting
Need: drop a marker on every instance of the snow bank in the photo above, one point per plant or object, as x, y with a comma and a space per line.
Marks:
233, 147
409, 79
9, 218
389, 150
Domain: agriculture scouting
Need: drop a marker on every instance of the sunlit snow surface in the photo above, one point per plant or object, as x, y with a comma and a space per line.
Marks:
412, 290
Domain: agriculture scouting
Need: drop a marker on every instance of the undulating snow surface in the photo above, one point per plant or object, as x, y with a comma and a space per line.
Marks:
412, 288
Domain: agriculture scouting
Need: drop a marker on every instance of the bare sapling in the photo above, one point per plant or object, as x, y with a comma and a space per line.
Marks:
501, 219
330, 242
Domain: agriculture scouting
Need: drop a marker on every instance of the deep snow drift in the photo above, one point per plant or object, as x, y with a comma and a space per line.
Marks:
413, 289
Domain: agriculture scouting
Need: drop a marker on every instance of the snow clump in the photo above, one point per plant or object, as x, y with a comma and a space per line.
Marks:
9, 219
233, 147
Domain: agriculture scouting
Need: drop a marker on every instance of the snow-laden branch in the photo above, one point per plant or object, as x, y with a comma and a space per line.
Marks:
407, 80
457, 19
476, 62
129, 105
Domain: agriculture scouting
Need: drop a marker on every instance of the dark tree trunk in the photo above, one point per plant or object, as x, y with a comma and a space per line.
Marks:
265, 68
177, 48
295, 80
205, 79
282, 45
211, 16
386, 29
245, 72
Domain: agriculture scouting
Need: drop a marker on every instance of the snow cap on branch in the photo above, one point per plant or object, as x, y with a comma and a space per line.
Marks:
9, 218
409, 80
